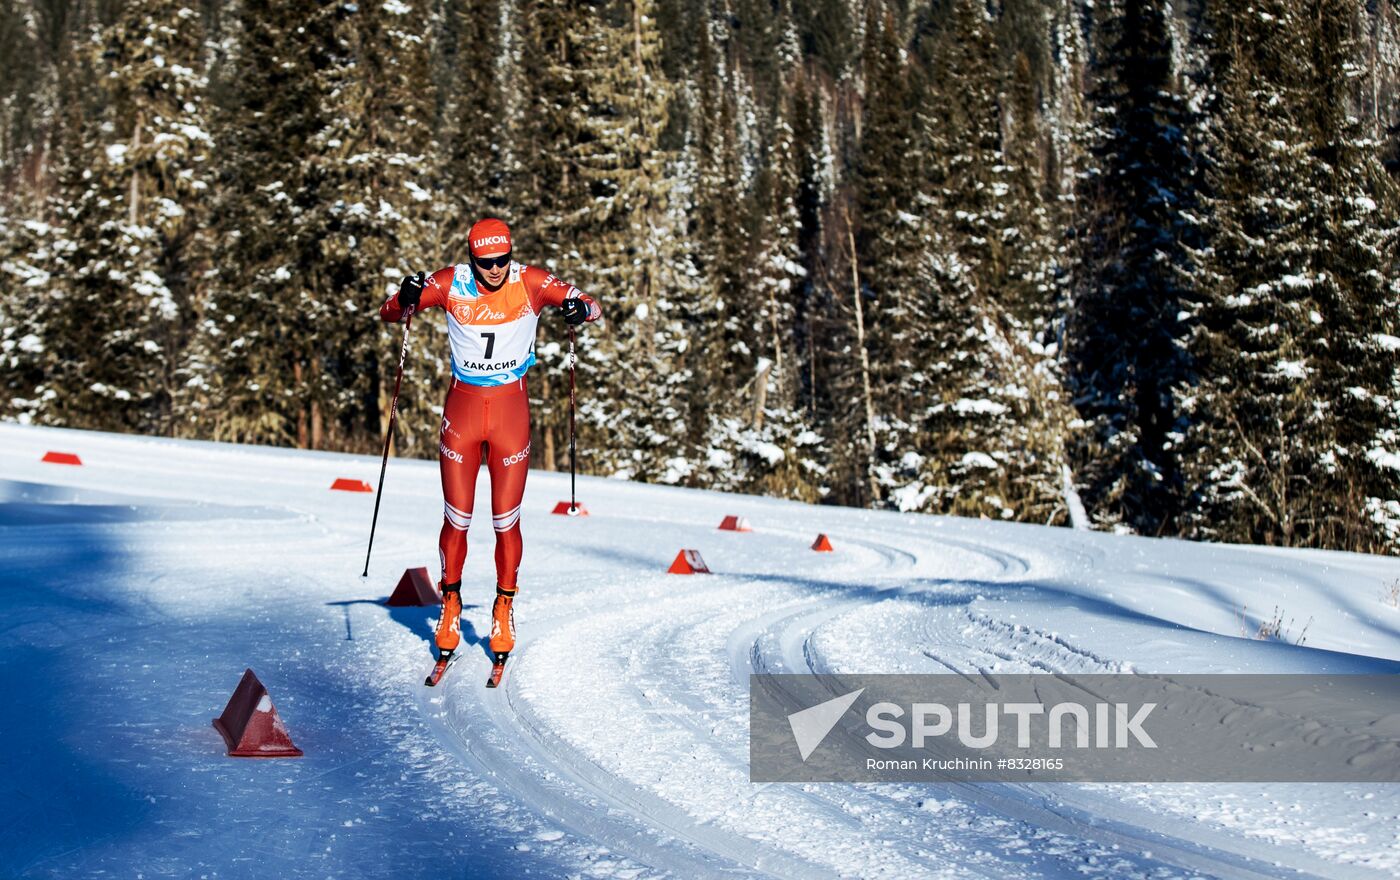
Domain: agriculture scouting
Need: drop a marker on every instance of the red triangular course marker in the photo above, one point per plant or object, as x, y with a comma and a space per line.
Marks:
346, 485
688, 562
735, 524
61, 458
415, 588
563, 508
822, 544
250, 724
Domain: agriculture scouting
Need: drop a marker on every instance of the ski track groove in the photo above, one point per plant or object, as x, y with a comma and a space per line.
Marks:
1033, 804
788, 636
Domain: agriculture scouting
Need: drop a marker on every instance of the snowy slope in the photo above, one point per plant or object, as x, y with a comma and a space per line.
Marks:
138, 587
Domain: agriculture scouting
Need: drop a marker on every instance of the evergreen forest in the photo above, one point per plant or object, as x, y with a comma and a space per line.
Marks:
1130, 264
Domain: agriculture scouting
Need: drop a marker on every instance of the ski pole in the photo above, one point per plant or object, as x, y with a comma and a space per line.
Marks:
573, 502
388, 435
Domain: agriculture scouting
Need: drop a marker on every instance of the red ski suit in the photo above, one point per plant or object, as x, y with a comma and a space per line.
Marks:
493, 341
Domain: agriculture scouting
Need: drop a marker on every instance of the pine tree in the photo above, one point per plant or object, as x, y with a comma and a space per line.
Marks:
1126, 341
826, 31
372, 223
33, 241
628, 247
476, 126
811, 296
256, 326
544, 184
1030, 267
22, 81
25, 277
1295, 412
724, 319
891, 243
980, 439
755, 439
126, 279
778, 452
323, 212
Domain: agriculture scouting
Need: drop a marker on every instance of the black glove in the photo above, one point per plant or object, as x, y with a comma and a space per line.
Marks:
411, 291
575, 311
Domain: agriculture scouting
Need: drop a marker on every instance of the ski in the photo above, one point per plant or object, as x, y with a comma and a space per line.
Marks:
440, 668
498, 669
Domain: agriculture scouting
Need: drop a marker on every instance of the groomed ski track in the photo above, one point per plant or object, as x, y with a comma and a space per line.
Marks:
617, 745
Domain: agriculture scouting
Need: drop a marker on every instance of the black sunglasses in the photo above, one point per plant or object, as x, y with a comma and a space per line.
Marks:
487, 263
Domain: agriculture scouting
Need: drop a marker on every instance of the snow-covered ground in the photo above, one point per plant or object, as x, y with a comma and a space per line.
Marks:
137, 588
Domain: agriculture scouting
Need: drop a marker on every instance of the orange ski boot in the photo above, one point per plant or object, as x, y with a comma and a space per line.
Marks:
449, 628
502, 633
449, 632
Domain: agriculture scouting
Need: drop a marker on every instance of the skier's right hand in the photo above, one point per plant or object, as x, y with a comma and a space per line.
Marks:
411, 291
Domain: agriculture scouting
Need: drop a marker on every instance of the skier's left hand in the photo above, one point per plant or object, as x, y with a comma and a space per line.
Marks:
575, 311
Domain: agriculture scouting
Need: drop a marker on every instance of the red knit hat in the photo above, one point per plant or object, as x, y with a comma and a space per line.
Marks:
489, 238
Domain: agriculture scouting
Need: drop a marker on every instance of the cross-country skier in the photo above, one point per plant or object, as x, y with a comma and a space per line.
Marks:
492, 307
